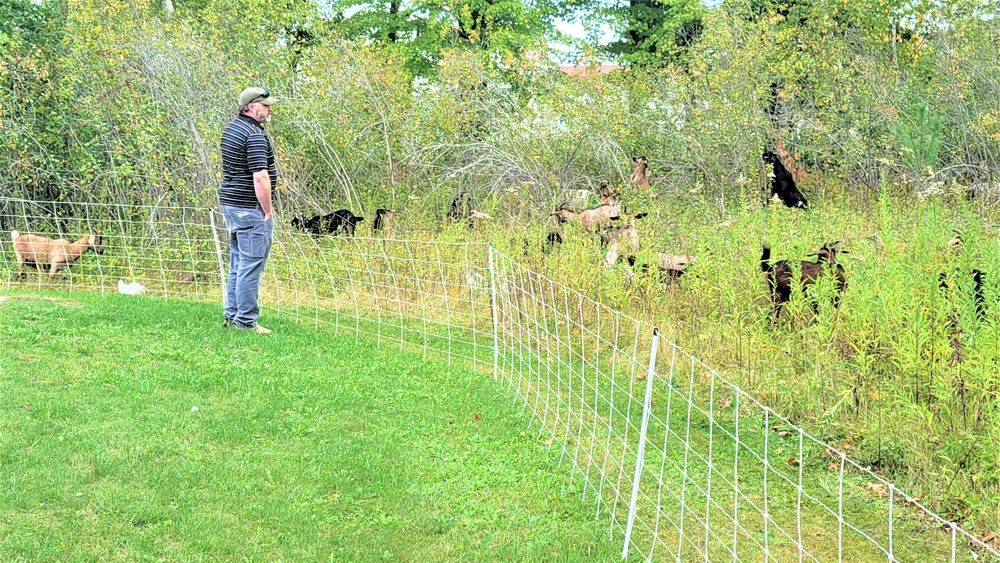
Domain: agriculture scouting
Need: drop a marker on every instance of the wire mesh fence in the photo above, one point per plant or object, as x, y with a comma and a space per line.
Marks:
684, 464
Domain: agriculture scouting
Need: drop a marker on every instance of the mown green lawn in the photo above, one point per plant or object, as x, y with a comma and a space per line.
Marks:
137, 428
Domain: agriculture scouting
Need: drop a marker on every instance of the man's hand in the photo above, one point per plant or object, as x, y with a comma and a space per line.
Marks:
262, 188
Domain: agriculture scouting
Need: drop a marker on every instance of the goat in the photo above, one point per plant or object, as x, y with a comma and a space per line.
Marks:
615, 238
605, 194
783, 184
639, 174
341, 221
459, 207
384, 220
978, 279
672, 266
779, 276
40, 251
551, 240
592, 217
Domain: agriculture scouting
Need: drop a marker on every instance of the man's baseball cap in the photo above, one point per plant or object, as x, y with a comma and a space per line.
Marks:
258, 95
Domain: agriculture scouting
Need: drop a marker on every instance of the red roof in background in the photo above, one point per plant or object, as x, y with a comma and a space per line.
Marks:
575, 70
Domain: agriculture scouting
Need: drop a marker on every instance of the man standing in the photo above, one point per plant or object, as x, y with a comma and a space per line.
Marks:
248, 178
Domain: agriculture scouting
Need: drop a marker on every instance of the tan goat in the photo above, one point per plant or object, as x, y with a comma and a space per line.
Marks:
40, 251
622, 238
592, 217
606, 195
639, 174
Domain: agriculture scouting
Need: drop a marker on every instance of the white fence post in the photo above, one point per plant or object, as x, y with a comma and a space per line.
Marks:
640, 454
493, 308
223, 280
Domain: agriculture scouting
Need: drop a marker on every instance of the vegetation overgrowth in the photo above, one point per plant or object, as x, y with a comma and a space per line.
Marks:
891, 108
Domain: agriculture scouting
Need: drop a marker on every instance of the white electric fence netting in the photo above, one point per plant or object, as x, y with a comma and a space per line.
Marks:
685, 464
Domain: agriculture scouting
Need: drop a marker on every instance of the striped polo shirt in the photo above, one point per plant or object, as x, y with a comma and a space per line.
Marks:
245, 150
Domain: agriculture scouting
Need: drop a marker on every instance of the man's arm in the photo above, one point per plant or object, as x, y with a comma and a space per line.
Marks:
262, 189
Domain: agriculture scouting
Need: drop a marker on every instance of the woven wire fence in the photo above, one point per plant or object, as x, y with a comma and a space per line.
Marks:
684, 464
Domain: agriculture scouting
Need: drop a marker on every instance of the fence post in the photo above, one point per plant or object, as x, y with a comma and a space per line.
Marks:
641, 453
493, 310
218, 252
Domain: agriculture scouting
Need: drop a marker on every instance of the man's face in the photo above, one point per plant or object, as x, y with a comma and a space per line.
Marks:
261, 112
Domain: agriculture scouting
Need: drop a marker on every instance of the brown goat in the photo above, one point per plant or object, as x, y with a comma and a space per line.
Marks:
384, 220
42, 252
639, 174
779, 276
605, 194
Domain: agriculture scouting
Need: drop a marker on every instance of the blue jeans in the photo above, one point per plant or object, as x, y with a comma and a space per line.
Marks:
249, 246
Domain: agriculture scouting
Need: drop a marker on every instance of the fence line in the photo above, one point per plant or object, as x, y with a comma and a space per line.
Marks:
684, 464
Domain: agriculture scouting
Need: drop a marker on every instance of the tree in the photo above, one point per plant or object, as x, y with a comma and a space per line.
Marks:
656, 32
423, 29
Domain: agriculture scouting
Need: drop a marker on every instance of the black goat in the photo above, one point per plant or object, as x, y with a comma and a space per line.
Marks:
779, 276
978, 279
459, 209
783, 184
339, 222
551, 240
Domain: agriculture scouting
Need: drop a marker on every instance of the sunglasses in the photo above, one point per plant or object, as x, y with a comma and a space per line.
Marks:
260, 97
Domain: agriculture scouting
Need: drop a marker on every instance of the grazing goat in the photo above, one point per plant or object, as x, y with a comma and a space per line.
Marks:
459, 207
605, 194
551, 240
978, 279
592, 217
341, 221
626, 235
783, 185
639, 174
779, 276
384, 220
672, 266
40, 252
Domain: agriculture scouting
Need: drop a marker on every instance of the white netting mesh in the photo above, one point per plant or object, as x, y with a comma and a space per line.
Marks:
684, 464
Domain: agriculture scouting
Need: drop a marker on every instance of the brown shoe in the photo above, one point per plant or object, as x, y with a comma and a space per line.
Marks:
255, 328
226, 323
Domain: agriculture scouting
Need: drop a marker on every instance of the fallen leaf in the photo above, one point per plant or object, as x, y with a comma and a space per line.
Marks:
990, 539
476, 416
877, 487
793, 461
832, 466
548, 442
784, 433
725, 403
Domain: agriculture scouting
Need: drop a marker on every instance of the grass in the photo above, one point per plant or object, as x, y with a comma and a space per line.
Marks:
136, 428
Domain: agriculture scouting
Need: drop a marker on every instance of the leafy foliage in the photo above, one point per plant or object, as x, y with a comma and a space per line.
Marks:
657, 32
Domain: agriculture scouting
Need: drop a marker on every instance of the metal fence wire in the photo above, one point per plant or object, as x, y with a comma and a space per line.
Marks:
685, 465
